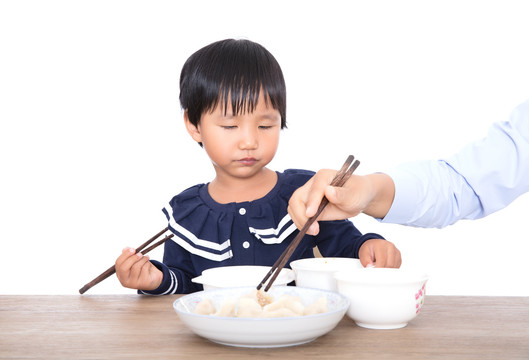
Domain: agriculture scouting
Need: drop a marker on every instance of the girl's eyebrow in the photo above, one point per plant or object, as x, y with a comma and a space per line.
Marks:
270, 116
226, 117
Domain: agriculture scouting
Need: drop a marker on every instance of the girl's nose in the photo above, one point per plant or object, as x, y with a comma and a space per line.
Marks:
248, 139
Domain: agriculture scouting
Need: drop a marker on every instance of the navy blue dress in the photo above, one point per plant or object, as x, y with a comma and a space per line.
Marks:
209, 234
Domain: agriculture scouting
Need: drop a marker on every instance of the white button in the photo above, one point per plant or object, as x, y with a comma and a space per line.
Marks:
246, 244
242, 211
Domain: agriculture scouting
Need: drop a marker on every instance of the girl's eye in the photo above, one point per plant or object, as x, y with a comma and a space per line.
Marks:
265, 127
230, 127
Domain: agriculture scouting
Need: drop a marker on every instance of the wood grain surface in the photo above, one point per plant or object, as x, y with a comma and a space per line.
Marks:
143, 327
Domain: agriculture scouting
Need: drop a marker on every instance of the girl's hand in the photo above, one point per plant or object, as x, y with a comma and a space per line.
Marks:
380, 253
135, 271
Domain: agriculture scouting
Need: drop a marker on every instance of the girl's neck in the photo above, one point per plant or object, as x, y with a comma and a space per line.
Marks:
226, 190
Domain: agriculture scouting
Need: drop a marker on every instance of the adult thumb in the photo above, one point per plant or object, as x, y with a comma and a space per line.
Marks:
335, 195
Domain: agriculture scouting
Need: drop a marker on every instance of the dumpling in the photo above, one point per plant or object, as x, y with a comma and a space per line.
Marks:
320, 306
260, 296
249, 308
292, 303
205, 307
228, 308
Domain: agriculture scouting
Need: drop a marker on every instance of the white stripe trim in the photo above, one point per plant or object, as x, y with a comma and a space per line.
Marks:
191, 237
174, 284
202, 253
172, 287
271, 231
278, 240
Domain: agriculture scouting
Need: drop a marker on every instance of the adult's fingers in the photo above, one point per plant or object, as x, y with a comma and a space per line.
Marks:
316, 192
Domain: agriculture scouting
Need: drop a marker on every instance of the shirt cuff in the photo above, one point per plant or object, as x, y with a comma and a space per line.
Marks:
407, 197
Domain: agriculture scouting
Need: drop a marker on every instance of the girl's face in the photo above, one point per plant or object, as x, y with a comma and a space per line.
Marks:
239, 145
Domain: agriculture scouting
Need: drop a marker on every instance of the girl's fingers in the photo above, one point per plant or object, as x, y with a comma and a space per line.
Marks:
381, 259
380, 253
125, 254
127, 266
137, 267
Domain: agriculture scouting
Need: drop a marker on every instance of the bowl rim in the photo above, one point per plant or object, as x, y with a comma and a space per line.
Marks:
409, 276
286, 275
302, 264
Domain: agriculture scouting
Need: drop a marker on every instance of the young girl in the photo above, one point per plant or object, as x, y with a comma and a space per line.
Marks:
234, 97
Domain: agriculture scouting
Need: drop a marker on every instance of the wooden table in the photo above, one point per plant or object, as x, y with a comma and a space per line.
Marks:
143, 327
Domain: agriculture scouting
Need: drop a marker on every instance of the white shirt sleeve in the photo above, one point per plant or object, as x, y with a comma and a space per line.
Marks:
482, 178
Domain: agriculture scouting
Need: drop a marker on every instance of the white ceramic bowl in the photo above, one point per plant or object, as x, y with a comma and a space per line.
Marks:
261, 332
382, 298
319, 273
235, 276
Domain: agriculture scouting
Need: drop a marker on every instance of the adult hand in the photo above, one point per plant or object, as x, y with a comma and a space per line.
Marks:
372, 194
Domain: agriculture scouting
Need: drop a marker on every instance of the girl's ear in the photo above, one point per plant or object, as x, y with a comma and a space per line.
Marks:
193, 130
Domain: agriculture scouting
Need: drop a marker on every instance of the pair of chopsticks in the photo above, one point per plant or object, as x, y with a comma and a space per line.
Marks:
339, 180
111, 270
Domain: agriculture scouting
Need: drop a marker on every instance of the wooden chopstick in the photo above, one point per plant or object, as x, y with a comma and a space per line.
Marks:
339, 180
111, 270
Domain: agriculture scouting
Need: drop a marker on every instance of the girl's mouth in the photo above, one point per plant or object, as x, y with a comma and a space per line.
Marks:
247, 161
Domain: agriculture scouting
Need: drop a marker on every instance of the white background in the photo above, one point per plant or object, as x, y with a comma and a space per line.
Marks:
92, 143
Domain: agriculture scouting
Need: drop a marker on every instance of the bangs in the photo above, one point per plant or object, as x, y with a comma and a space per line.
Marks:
240, 99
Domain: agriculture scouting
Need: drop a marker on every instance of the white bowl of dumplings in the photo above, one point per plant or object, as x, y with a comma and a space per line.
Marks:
240, 275
290, 315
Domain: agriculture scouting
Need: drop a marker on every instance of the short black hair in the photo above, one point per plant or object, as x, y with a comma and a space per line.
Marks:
231, 70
